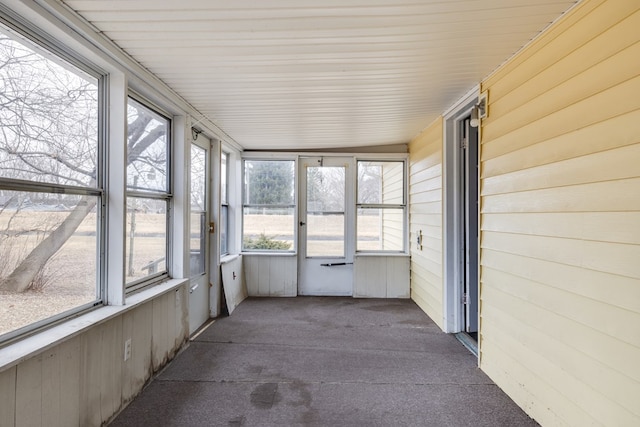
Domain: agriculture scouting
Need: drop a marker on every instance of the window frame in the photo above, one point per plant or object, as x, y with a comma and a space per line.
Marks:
382, 206
166, 196
293, 206
224, 203
43, 44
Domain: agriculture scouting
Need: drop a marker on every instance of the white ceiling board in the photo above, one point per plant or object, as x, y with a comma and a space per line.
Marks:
302, 74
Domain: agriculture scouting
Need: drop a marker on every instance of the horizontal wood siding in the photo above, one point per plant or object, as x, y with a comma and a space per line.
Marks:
425, 215
271, 275
560, 220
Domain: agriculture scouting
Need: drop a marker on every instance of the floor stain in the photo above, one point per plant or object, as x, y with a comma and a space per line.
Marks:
265, 396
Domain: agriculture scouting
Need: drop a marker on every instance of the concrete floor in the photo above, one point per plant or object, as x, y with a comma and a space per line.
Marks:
323, 361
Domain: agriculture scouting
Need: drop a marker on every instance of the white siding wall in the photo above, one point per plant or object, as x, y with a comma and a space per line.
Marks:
377, 276
560, 257
84, 381
425, 213
271, 275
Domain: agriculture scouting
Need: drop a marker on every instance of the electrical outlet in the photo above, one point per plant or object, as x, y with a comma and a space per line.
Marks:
127, 349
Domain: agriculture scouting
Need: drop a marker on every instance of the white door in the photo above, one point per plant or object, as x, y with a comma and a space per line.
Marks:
326, 224
199, 234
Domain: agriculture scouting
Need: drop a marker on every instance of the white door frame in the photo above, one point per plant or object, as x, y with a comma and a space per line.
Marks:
453, 215
326, 275
199, 309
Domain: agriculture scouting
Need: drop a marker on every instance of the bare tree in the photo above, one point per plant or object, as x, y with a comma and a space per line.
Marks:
49, 134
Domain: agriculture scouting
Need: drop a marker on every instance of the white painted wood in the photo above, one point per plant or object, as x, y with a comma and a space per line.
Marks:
271, 275
375, 67
8, 393
137, 325
379, 276
235, 289
28, 392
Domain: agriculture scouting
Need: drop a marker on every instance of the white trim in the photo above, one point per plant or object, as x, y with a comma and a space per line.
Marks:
460, 103
453, 310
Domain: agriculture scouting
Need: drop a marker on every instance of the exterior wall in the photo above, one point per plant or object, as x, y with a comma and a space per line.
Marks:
84, 380
425, 214
560, 220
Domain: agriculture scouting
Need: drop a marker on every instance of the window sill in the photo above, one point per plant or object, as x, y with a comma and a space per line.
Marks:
265, 253
382, 254
228, 258
24, 349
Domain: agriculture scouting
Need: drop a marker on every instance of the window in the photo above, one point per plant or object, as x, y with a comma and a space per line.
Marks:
148, 194
268, 207
381, 206
224, 205
198, 218
51, 189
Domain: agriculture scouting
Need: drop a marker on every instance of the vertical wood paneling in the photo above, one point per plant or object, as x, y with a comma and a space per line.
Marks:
136, 325
29, 393
425, 215
381, 277
8, 400
271, 275
559, 250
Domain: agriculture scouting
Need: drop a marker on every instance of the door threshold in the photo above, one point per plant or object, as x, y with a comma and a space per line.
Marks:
468, 342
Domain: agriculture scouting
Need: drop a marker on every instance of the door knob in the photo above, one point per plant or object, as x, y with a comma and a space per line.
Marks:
302, 223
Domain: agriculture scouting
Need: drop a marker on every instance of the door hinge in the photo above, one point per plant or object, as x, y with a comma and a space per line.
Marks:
464, 143
465, 299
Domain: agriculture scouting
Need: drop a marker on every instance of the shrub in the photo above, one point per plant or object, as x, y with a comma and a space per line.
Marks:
265, 242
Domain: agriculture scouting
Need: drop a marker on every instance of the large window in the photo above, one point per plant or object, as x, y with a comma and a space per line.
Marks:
268, 207
51, 190
381, 206
148, 194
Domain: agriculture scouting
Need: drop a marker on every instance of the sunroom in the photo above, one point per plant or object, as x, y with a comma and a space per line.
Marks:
162, 161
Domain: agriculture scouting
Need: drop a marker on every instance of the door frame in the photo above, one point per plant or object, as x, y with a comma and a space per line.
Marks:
454, 218
346, 268
202, 280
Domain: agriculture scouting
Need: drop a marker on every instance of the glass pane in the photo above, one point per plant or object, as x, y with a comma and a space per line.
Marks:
380, 229
48, 117
198, 178
224, 220
268, 229
147, 140
223, 179
62, 273
146, 237
325, 188
197, 243
325, 211
269, 182
325, 235
381, 182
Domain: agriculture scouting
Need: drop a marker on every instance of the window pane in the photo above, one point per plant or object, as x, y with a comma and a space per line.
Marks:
147, 140
48, 117
223, 179
325, 235
380, 229
224, 220
146, 237
381, 182
46, 285
198, 177
269, 182
197, 243
268, 229
325, 188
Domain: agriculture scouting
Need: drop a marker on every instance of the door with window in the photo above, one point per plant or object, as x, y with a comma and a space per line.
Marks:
325, 217
199, 234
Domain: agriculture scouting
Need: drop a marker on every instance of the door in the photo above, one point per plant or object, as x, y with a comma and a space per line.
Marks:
326, 226
470, 224
199, 234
